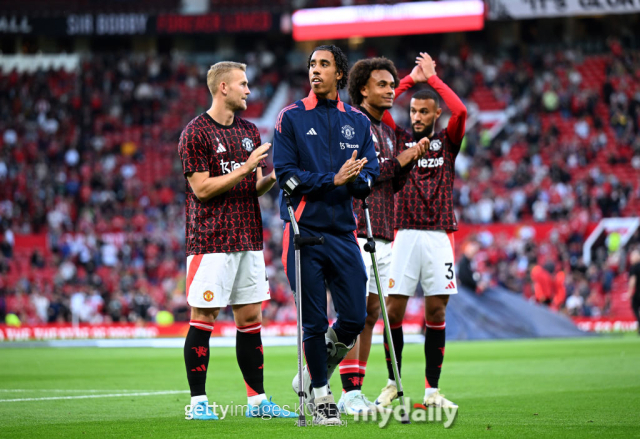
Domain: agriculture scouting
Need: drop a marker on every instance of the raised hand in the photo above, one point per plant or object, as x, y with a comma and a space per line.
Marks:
418, 75
427, 64
349, 170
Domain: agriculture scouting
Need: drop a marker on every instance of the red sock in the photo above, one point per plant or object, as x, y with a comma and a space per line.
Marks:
350, 375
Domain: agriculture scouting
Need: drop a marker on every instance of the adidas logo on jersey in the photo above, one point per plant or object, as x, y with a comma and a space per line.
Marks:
312, 132
451, 286
221, 148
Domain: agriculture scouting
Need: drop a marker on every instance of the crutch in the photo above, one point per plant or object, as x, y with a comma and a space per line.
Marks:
298, 243
370, 247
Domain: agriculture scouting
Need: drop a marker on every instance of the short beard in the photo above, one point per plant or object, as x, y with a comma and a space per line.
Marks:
235, 108
418, 135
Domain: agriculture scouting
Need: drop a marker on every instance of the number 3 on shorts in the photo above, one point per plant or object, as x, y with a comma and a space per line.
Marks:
449, 266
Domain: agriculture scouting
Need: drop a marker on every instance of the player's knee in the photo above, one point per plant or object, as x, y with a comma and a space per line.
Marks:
373, 313
204, 314
315, 328
247, 314
436, 315
352, 325
395, 315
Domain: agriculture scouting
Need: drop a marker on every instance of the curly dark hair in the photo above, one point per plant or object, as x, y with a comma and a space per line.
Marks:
342, 64
361, 71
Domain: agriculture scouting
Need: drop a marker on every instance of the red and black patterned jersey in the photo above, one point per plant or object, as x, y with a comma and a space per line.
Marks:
229, 222
426, 201
391, 179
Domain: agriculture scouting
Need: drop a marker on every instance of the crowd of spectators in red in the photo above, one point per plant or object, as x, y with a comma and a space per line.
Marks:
76, 149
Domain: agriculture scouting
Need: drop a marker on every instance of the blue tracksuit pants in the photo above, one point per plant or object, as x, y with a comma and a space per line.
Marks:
337, 265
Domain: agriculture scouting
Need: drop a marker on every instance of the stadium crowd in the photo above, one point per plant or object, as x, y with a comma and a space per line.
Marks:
76, 148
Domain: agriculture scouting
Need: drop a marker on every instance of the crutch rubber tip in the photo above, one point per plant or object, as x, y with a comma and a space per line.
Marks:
406, 421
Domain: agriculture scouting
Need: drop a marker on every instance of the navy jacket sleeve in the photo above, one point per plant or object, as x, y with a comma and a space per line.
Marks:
286, 162
361, 187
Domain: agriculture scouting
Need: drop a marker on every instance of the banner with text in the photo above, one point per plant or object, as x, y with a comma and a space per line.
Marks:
67, 331
527, 9
131, 24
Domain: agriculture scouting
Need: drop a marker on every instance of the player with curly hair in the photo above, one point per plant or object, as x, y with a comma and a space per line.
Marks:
372, 84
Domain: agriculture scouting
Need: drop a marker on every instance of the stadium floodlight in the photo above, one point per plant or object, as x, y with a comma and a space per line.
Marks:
298, 242
412, 18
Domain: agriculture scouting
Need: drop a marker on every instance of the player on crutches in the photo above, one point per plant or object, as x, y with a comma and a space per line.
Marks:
298, 243
328, 146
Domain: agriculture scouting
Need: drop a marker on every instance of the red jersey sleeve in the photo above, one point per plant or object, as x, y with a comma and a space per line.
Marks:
457, 123
405, 84
194, 151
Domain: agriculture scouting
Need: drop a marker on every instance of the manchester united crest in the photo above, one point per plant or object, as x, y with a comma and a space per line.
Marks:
348, 132
247, 144
392, 283
435, 145
208, 296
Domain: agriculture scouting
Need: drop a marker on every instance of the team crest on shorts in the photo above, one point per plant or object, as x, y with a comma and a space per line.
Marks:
435, 145
392, 283
208, 296
348, 132
247, 144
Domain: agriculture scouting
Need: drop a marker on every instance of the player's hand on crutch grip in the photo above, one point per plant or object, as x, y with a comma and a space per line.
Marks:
349, 170
258, 154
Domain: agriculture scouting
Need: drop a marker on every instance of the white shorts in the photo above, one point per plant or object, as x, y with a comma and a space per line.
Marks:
215, 280
425, 256
383, 257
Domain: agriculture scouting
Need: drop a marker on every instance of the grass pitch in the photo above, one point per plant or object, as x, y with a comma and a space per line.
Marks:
532, 388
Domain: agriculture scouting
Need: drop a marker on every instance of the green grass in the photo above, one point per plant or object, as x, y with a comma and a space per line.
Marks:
532, 388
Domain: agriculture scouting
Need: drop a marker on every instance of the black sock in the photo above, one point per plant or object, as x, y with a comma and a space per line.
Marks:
251, 358
350, 375
398, 344
434, 340
196, 356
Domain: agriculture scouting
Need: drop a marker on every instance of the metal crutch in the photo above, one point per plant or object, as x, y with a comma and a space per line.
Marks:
298, 243
370, 247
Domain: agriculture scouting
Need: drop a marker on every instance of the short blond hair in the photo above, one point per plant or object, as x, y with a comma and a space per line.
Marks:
219, 71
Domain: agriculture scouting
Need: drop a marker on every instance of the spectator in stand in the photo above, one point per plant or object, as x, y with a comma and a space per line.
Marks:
467, 276
82, 152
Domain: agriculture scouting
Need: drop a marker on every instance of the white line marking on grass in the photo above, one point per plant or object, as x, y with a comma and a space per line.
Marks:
111, 395
70, 390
